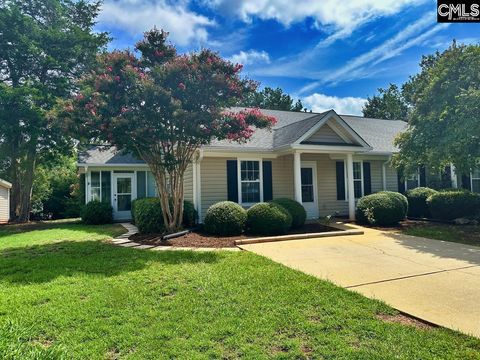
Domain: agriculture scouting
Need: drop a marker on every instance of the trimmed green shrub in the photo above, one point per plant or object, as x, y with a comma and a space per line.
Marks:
402, 198
383, 208
189, 214
268, 219
417, 202
147, 215
449, 205
96, 212
295, 209
225, 218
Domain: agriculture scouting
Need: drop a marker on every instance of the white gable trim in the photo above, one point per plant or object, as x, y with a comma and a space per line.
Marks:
338, 120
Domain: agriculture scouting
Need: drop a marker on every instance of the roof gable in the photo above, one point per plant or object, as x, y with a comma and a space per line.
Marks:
329, 133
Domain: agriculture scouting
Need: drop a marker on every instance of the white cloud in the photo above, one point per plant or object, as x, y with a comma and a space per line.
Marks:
137, 16
250, 57
343, 17
363, 65
342, 105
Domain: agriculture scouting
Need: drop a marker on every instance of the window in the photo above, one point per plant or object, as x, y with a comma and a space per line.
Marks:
475, 179
357, 180
412, 181
307, 184
100, 186
146, 186
95, 188
250, 175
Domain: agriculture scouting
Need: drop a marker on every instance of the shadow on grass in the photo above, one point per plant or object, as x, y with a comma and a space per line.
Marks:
44, 263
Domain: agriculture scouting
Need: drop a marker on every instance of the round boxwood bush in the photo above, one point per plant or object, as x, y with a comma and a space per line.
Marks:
400, 197
96, 212
268, 219
449, 205
383, 208
417, 202
225, 218
295, 209
147, 215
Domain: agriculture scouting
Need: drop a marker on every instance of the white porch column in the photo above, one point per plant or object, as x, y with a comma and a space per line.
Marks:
351, 190
297, 177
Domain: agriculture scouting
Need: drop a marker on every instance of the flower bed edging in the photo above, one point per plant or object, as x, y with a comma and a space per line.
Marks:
298, 237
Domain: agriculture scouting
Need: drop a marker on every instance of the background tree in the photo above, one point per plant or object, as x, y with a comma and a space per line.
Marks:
444, 125
272, 99
45, 45
163, 107
389, 104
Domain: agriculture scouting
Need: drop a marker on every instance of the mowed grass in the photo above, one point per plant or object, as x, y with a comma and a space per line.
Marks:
464, 234
66, 293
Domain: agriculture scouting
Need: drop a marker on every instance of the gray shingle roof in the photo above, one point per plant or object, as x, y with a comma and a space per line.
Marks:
290, 126
104, 154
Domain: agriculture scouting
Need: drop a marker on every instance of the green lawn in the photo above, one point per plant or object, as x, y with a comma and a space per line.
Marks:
64, 293
465, 234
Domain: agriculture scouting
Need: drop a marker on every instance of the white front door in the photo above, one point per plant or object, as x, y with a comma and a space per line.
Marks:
123, 194
308, 173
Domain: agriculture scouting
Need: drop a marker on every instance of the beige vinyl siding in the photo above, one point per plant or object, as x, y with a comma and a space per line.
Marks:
188, 183
282, 177
392, 180
4, 205
326, 135
213, 179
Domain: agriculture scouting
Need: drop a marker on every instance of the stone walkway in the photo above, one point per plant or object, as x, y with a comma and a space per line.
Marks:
123, 241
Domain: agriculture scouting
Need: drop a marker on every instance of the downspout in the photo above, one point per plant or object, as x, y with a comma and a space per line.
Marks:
384, 173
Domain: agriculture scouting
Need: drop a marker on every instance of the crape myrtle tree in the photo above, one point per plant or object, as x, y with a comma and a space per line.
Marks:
45, 45
163, 107
444, 123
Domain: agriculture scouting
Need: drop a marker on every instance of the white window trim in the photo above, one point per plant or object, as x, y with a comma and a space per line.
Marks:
473, 178
362, 180
418, 181
90, 187
239, 179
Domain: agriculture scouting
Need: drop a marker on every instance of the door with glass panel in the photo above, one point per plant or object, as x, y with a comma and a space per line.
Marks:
308, 173
123, 195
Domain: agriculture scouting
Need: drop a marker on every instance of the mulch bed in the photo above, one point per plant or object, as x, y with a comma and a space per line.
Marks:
199, 238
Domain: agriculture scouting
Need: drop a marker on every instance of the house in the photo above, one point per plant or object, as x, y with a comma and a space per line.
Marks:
324, 160
5, 187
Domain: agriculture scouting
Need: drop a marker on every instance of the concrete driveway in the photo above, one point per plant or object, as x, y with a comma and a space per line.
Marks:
433, 280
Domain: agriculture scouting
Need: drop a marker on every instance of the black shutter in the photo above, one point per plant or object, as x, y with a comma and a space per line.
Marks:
82, 189
447, 177
367, 179
466, 184
423, 176
340, 180
267, 180
401, 183
232, 180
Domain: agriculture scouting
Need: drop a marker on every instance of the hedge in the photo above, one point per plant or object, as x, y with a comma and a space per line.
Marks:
383, 209
417, 202
268, 219
295, 209
225, 218
449, 205
96, 212
148, 217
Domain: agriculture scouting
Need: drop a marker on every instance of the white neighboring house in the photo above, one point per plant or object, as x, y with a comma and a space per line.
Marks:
5, 187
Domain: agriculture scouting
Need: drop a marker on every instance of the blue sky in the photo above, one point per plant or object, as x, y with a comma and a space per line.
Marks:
328, 53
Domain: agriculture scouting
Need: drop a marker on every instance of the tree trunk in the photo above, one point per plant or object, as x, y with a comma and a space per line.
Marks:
21, 193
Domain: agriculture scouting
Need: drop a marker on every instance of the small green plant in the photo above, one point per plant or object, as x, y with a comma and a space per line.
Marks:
225, 218
96, 212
